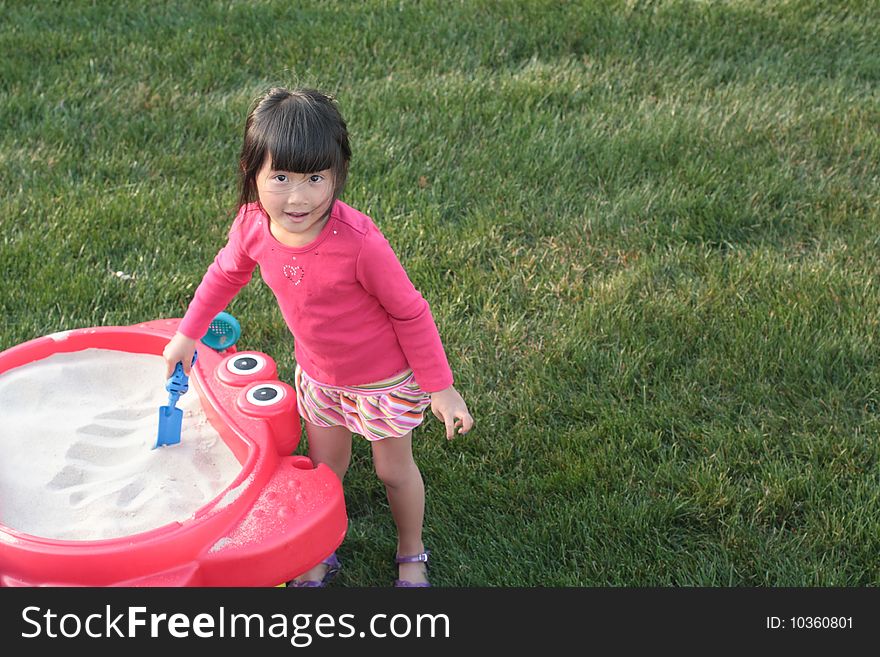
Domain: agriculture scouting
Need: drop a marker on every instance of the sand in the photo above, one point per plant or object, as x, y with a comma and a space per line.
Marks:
76, 457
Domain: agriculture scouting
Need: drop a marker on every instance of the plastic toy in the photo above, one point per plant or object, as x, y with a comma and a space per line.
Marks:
223, 332
278, 518
171, 417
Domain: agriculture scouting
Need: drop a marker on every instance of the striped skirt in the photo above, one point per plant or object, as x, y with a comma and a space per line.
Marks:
385, 409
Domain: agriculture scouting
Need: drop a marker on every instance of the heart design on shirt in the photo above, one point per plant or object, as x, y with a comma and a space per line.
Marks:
294, 273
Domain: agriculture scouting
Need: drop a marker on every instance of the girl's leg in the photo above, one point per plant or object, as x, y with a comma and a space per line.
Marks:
395, 466
332, 446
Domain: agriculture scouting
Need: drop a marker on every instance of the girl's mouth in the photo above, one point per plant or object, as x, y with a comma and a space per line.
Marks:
297, 215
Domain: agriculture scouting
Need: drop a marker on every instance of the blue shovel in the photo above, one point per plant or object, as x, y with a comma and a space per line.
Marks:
171, 417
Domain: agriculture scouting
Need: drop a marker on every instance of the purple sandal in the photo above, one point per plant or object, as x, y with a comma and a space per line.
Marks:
333, 568
416, 558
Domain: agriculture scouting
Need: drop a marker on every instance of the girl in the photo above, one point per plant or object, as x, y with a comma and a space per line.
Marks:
368, 354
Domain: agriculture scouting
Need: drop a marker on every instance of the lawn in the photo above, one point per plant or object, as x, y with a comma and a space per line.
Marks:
648, 232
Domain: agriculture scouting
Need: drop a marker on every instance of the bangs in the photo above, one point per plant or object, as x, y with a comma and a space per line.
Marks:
299, 131
300, 141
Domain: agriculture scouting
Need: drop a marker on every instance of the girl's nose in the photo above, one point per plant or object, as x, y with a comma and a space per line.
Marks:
295, 197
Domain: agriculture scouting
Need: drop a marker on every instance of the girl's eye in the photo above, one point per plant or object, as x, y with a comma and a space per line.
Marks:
281, 178
315, 178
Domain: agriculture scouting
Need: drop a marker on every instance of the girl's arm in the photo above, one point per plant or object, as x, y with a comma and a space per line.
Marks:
382, 275
231, 270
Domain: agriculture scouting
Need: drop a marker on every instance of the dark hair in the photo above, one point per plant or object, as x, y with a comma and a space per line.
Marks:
301, 130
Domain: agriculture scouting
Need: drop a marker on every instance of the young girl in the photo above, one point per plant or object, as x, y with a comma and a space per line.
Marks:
368, 354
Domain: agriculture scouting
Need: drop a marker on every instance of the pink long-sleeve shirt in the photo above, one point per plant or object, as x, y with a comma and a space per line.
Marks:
355, 316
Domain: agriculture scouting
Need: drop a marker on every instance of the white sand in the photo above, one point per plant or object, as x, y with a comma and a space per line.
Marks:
76, 432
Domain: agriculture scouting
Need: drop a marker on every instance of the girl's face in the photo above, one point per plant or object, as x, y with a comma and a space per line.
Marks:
297, 203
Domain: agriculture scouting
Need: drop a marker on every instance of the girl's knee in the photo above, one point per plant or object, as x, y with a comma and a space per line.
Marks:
396, 473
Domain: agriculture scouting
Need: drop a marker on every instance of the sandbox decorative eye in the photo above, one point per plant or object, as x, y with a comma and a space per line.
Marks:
245, 368
265, 394
247, 364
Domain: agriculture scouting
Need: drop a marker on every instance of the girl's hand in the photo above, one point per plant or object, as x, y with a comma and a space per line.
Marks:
180, 349
449, 407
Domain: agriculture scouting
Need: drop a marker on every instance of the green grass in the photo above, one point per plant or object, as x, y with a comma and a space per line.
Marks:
648, 232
